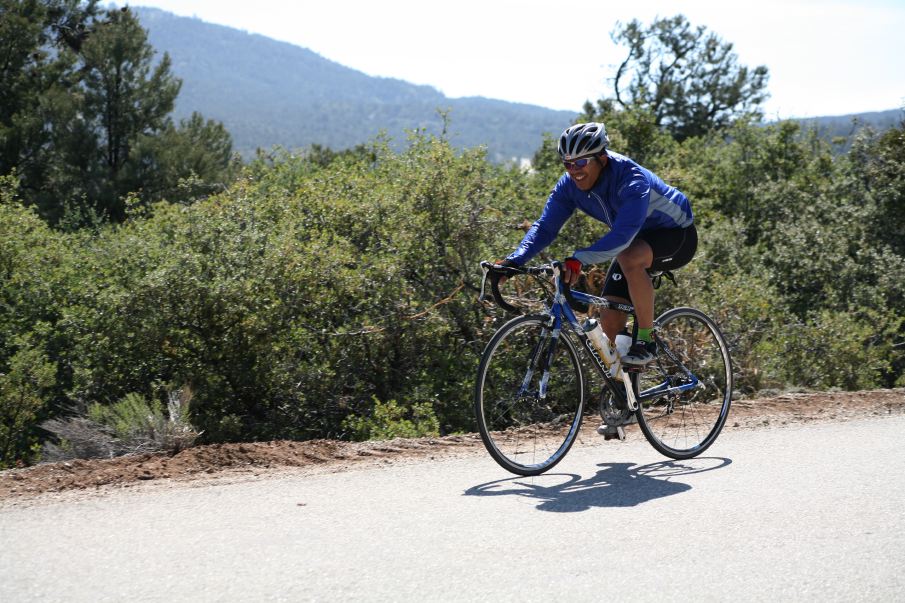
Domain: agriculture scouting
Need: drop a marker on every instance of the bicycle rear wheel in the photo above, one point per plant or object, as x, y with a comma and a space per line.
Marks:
686, 391
525, 429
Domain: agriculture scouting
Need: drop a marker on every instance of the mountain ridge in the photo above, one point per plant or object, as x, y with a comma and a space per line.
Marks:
272, 93
309, 99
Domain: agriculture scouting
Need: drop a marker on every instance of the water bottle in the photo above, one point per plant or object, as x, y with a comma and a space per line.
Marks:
623, 343
595, 333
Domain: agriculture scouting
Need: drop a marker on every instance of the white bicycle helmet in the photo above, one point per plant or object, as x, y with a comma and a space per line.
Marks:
583, 140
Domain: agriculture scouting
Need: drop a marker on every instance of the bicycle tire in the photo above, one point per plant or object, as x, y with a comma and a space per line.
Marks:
683, 425
525, 434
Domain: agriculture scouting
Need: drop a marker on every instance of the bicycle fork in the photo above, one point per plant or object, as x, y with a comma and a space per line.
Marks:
541, 358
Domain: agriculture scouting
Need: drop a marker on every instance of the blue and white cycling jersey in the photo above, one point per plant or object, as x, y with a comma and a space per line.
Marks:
626, 197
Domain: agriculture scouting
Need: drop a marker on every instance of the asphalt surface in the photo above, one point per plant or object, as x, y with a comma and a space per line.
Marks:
801, 513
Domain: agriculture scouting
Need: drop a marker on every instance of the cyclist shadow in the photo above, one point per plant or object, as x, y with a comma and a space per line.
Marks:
615, 485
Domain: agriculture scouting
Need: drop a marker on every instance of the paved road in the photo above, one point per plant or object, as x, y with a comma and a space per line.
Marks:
799, 513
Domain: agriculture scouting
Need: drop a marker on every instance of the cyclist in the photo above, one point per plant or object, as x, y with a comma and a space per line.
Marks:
651, 227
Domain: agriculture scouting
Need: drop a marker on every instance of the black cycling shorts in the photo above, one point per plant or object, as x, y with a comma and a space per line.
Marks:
672, 247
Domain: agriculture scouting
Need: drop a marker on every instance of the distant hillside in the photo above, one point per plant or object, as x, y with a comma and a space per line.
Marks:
272, 93
846, 125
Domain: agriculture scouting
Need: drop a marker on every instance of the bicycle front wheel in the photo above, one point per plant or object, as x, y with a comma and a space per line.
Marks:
685, 393
529, 395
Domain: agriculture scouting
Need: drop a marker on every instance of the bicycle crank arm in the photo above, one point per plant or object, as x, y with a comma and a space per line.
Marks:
630, 399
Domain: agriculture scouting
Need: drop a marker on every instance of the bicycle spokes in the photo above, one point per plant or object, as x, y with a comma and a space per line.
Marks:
528, 412
685, 397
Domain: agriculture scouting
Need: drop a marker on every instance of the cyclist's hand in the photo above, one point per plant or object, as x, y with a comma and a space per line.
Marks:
504, 264
571, 271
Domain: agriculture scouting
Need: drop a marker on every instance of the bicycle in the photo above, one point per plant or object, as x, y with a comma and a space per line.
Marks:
530, 388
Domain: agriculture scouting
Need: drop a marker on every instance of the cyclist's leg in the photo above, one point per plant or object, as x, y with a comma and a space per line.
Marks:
670, 248
627, 281
635, 261
615, 289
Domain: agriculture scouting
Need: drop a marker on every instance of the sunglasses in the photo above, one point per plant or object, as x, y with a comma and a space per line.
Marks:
578, 163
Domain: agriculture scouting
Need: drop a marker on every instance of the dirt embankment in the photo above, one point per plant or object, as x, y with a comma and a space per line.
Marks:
249, 459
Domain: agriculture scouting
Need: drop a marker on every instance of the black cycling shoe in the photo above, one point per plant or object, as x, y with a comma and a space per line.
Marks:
640, 354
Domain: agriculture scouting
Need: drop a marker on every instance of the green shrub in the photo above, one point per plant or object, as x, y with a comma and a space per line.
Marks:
23, 395
321, 282
831, 350
141, 425
133, 415
389, 420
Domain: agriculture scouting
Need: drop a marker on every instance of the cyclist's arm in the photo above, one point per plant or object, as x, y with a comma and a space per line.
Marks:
558, 209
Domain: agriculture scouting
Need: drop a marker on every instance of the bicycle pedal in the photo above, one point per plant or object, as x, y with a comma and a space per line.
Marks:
613, 432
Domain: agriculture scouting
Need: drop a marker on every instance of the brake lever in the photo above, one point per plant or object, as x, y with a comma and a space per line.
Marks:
485, 266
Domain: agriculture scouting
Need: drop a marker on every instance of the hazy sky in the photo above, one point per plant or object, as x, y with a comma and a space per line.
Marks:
824, 57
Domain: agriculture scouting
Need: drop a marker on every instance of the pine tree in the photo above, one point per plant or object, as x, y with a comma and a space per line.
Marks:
85, 115
38, 45
687, 79
126, 98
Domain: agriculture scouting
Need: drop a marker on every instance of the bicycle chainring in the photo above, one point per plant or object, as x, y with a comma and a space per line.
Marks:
610, 412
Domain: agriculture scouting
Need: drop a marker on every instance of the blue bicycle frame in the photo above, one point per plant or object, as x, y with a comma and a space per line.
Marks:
561, 309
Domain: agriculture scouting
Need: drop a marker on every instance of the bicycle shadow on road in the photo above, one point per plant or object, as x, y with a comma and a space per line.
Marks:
614, 485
